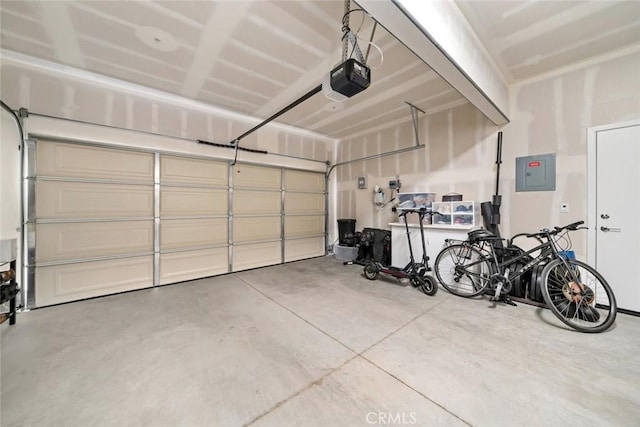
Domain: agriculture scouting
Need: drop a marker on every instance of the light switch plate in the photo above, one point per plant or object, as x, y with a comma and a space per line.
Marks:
362, 182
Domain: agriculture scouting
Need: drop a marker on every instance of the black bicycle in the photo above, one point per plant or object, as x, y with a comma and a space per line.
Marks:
574, 291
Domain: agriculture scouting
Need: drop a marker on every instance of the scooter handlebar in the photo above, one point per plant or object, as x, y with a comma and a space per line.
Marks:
404, 212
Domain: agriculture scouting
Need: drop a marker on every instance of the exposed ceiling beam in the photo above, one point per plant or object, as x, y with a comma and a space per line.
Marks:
439, 35
61, 32
584, 43
225, 18
560, 20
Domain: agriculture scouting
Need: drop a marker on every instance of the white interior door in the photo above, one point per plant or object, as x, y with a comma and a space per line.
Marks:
618, 212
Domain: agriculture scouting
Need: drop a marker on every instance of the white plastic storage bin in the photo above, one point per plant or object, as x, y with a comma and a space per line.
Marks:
415, 200
461, 213
345, 253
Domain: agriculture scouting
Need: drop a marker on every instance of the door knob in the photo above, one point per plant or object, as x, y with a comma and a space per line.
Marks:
604, 216
603, 228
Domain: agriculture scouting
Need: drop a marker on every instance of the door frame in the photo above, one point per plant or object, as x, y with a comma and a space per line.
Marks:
592, 215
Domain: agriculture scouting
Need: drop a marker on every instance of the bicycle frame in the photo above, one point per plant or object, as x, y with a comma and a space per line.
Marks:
548, 250
575, 292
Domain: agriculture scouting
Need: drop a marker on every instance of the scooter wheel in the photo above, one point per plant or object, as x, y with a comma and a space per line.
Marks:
371, 271
429, 285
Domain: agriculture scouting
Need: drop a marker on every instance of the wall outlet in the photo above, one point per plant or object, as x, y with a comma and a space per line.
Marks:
564, 207
362, 182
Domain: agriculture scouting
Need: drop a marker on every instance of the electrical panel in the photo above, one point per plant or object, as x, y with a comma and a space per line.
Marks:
536, 173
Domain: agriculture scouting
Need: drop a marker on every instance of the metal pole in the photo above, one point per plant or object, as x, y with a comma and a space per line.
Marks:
279, 113
414, 119
345, 29
497, 198
498, 162
376, 156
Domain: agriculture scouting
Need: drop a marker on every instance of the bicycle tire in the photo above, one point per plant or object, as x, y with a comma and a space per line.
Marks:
518, 282
533, 284
588, 305
538, 284
455, 277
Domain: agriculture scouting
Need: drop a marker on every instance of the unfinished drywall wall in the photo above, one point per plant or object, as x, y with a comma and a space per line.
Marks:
551, 114
459, 156
80, 96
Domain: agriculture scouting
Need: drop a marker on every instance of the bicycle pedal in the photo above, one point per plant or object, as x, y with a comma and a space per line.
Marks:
498, 290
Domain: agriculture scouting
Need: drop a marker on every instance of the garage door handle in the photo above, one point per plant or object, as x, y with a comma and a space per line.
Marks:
603, 228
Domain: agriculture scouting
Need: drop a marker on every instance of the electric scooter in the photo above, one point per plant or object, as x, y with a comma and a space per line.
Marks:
416, 272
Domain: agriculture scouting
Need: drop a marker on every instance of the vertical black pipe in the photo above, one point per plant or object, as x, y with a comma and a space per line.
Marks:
497, 198
498, 162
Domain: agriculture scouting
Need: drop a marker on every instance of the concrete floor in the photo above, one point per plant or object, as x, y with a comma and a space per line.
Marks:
312, 343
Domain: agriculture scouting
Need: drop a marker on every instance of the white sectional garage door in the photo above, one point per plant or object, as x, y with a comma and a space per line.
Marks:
94, 227
110, 220
193, 218
257, 211
304, 214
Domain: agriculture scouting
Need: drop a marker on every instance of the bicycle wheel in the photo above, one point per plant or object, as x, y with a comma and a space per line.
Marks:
463, 270
578, 295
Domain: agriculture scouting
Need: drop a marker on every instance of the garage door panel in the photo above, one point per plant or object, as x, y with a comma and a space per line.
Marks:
60, 200
256, 255
185, 233
181, 266
62, 283
255, 229
300, 226
304, 203
304, 181
64, 241
247, 202
303, 248
99, 228
182, 201
57, 159
249, 176
182, 170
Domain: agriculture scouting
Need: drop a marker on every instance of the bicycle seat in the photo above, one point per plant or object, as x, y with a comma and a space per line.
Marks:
481, 235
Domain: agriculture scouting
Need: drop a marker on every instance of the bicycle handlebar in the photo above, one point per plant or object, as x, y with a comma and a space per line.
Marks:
546, 232
571, 227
